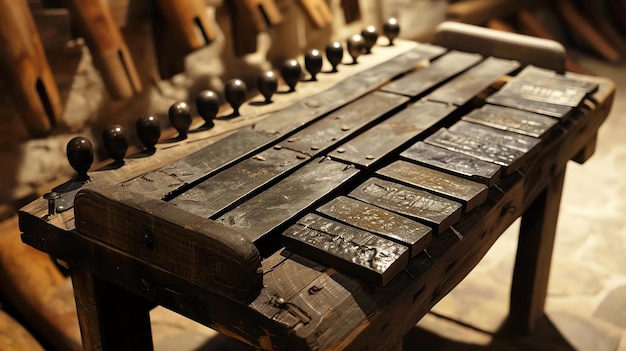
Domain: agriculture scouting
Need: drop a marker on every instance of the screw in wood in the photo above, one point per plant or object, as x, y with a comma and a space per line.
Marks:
51, 197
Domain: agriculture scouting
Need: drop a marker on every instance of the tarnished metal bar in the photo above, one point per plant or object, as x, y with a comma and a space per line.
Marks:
469, 193
531, 73
509, 159
453, 162
417, 83
391, 134
466, 86
513, 120
379, 221
354, 251
436, 211
512, 140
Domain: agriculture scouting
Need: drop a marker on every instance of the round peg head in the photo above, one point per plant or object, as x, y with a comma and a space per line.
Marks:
208, 104
235, 92
334, 54
370, 35
148, 131
291, 73
313, 63
356, 47
80, 156
180, 118
391, 29
115, 142
268, 85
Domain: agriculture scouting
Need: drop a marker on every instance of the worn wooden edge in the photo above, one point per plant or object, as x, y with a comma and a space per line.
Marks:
196, 248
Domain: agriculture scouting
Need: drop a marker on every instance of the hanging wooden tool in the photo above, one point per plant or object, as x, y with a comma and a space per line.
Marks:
351, 10
25, 70
107, 46
248, 18
318, 12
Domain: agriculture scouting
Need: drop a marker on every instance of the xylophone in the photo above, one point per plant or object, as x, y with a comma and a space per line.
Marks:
337, 221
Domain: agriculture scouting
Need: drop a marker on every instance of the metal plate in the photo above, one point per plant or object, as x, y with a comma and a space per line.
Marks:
509, 159
469, 193
435, 211
379, 221
523, 143
453, 162
357, 252
513, 120
389, 135
346, 121
463, 88
287, 198
416, 83
533, 73
543, 92
516, 100
232, 185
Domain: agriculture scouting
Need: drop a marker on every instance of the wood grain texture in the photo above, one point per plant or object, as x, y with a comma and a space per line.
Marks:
188, 18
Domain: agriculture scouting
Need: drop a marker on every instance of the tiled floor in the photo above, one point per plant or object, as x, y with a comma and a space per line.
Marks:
586, 306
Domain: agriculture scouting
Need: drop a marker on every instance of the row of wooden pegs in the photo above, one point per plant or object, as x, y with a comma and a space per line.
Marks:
80, 150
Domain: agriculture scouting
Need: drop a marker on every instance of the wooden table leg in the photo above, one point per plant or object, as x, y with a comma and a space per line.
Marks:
110, 318
534, 252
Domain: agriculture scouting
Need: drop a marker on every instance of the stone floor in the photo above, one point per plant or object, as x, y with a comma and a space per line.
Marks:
586, 305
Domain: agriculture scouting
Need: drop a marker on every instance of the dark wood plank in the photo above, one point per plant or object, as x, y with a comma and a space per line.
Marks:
416, 83
264, 213
435, 211
467, 192
463, 88
379, 221
453, 162
358, 252
510, 119
509, 159
512, 140
341, 124
392, 133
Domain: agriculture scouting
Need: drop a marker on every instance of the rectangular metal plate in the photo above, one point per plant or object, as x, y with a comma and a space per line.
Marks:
288, 198
543, 92
389, 135
478, 78
533, 73
453, 162
509, 159
416, 83
340, 124
435, 211
518, 121
379, 221
233, 185
357, 252
467, 192
516, 141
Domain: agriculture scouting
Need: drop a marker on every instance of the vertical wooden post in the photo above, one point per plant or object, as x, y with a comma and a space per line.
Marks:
534, 252
109, 317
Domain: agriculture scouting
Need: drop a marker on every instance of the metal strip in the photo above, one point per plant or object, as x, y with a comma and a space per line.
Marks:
463, 88
453, 162
513, 120
416, 83
509, 159
379, 221
435, 211
523, 143
469, 193
377, 142
357, 252
533, 73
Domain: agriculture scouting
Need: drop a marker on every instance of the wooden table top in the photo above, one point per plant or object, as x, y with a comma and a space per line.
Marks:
224, 274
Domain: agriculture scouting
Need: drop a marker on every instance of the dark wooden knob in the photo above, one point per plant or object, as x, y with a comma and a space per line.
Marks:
268, 85
334, 54
115, 142
391, 30
356, 47
235, 92
291, 73
180, 118
80, 156
370, 35
313, 63
148, 131
208, 105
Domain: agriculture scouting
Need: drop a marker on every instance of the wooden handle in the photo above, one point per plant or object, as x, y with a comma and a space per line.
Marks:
318, 12
25, 69
110, 54
261, 13
189, 21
